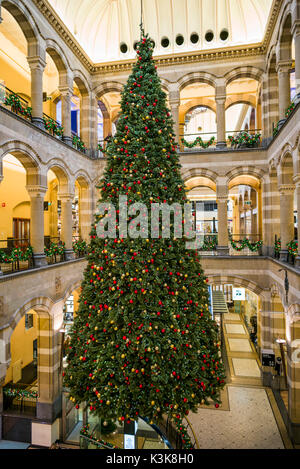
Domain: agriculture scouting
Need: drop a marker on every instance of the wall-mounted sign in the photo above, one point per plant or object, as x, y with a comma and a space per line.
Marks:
238, 294
267, 358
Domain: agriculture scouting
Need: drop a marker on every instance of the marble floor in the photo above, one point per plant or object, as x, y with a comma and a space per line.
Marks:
246, 418
248, 424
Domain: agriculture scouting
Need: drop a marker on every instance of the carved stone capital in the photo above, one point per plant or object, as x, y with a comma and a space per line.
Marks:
286, 189
36, 191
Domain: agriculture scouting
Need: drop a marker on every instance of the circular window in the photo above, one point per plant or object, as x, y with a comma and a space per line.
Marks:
194, 38
209, 36
179, 40
165, 42
152, 43
123, 48
224, 35
135, 45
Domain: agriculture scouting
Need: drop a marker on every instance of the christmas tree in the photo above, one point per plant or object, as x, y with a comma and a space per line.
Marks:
143, 341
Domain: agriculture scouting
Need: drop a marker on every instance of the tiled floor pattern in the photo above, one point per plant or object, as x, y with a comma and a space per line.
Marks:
249, 424
245, 420
242, 358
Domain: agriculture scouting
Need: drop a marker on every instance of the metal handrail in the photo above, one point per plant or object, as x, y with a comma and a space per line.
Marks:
13, 92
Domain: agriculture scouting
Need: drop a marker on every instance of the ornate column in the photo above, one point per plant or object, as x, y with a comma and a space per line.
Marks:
284, 86
270, 213
296, 35
174, 101
66, 95
221, 121
37, 195
222, 201
85, 120
94, 122
85, 214
286, 192
67, 223
37, 66
293, 373
49, 367
297, 182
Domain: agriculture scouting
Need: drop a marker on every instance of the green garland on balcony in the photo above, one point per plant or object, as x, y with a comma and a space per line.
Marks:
55, 249
78, 143
14, 101
20, 393
209, 245
246, 243
98, 442
52, 126
245, 138
198, 142
293, 248
289, 110
16, 255
277, 245
79, 246
185, 437
100, 147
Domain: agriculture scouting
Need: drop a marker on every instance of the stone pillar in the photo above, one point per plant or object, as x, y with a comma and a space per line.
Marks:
284, 86
85, 120
286, 217
37, 66
296, 34
66, 95
49, 368
37, 195
222, 201
271, 326
85, 216
270, 213
67, 223
221, 120
94, 122
293, 375
297, 182
174, 101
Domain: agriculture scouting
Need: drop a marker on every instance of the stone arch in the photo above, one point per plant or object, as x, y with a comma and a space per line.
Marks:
244, 72
197, 102
245, 171
165, 85
39, 305
196, 77
218, 279
25, 20
70, 290
285, 37
286, 168
238, 99
81, 82
58, 56
27, 157
199, 172
62, 174
108, 87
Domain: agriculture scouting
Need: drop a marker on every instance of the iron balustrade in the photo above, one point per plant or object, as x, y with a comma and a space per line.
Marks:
15, 102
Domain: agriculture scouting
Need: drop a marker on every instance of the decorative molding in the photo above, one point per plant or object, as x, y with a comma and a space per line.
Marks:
58, 25
161, 61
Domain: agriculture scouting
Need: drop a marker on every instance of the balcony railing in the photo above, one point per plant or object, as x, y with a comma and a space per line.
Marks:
11, 100
235, 139
17, 255
20, 398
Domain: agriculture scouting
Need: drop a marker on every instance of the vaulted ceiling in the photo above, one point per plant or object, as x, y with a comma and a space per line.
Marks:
108, 29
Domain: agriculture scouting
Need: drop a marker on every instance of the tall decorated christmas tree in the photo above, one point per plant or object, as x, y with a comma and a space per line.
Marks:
143, 342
